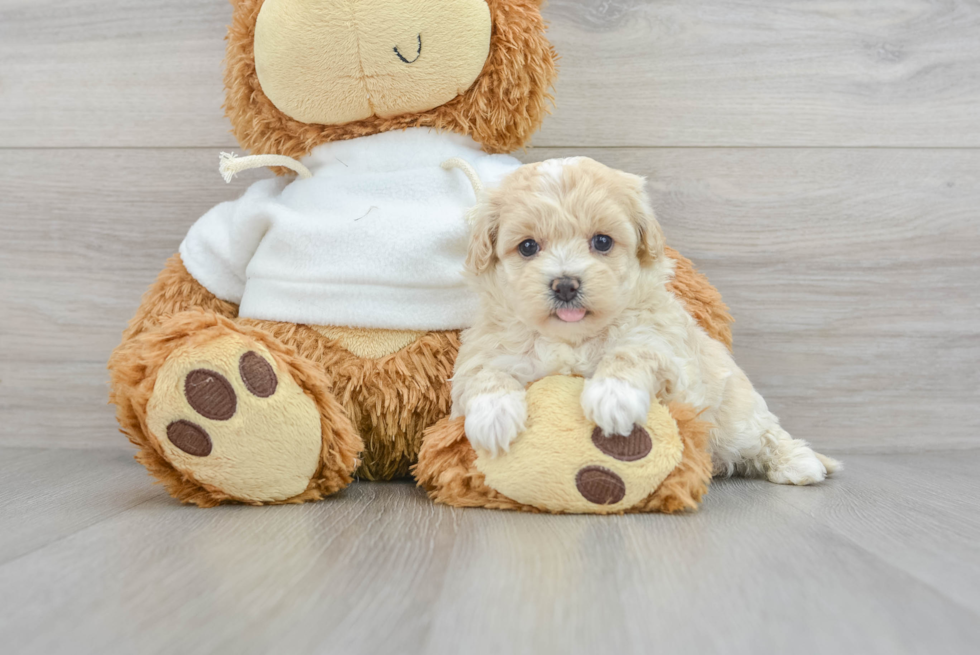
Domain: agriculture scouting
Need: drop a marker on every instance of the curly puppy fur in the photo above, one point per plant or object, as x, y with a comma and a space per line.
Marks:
447, 470
501, 110
571, 267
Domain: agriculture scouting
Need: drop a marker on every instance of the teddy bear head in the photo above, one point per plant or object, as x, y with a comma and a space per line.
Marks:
300, 73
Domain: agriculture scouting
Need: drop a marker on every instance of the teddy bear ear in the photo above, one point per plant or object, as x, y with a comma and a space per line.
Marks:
510, 99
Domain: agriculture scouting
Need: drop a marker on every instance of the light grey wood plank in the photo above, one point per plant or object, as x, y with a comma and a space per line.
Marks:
120, 72
354, 574
760, 569
49, 494
920, 513
11, 456
633, 72
742, 576
770, 72
852, 275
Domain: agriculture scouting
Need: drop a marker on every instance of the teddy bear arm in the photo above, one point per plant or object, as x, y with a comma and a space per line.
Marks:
702, 300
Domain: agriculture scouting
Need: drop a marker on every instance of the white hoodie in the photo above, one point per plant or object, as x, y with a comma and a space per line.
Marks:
376, 238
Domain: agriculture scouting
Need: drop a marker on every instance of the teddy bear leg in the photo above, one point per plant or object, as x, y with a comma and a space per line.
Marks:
225, 412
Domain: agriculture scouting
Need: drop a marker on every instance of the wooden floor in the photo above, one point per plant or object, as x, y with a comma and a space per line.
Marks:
884, 559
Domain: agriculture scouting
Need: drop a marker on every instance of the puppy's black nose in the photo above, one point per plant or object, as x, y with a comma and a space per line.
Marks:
565, 288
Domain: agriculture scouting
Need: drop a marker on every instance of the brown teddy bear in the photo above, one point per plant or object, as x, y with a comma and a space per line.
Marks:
307, 331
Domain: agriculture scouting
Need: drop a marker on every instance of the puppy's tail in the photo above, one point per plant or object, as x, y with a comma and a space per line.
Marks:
470, 172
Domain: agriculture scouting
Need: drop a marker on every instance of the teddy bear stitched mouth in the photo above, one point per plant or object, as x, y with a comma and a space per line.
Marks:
417, 54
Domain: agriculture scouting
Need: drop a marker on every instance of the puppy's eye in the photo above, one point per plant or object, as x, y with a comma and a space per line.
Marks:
528, 248
602, 243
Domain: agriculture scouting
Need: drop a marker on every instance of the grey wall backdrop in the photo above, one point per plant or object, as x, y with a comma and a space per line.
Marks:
819, 160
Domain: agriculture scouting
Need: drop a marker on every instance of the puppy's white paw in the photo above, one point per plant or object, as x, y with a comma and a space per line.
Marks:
494, 421
615, 406
801, 466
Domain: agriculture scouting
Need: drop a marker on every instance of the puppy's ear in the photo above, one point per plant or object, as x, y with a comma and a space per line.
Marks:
485, 222
651, 239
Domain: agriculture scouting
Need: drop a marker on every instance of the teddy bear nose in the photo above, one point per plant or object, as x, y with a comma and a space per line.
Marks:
565, 288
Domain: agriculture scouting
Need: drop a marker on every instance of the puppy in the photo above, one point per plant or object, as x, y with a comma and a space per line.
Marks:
568, 260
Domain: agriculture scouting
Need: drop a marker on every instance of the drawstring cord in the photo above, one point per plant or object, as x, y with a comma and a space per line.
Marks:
464, 166
231, 164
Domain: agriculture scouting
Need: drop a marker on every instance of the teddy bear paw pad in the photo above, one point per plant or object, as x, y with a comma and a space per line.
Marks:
190, 438
599, 485
630, 448
224, 416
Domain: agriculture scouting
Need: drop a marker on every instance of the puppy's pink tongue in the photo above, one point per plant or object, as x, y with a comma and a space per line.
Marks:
571, 315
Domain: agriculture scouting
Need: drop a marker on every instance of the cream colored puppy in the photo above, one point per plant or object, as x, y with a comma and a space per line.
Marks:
569, 262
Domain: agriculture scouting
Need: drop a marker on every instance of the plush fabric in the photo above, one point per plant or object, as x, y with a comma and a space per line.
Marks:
329, 62
447, 470
256, 450
701, 299
387, 401
376, 238
500, 110
545, 463
369, 343
391, 400
155, 335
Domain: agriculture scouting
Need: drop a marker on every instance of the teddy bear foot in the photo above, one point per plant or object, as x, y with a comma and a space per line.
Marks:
226, 417
564, 463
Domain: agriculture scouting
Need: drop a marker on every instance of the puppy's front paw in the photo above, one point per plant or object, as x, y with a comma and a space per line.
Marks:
494, 421
615, 406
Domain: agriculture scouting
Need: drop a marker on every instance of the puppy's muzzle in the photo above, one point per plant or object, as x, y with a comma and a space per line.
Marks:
566, 288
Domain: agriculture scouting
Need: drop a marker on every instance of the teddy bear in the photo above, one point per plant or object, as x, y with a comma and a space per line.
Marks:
306, 332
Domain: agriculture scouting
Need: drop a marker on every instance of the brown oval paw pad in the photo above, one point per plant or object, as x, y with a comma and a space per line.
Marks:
190, 438
626, 449
210, 394
600, 485
258, 375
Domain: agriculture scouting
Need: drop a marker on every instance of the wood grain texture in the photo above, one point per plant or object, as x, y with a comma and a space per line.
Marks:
852, 275
633, 72
855, 565
74, 489
768, 72
933, 496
